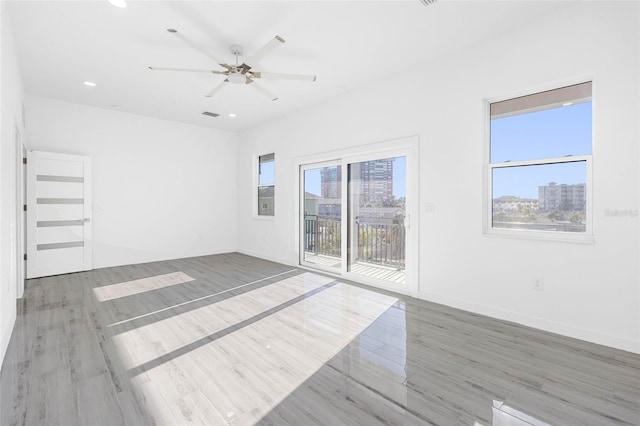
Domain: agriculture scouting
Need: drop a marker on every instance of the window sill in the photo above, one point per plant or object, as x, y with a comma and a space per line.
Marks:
264, 217
561, 237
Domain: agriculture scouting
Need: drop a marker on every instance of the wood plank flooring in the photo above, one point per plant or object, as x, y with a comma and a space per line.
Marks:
231, 339
368, 270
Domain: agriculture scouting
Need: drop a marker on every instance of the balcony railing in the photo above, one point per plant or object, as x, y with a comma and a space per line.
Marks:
378, 244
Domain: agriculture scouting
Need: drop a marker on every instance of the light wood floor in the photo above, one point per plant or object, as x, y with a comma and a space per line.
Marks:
368, 270
231, 339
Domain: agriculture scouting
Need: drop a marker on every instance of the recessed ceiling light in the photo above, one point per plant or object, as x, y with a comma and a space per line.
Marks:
567, 103
118, 3
232, 115
89, 83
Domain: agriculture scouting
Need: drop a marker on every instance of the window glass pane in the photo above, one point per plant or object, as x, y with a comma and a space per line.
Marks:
376, 219
323, 216
266, 200
550, 133
267, 170
549, 197
266, 182
550, 124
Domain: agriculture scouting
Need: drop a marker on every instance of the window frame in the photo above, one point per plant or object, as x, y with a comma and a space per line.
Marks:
586, 237
257, 186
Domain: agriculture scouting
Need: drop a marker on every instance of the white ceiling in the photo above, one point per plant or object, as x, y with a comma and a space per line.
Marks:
346, 44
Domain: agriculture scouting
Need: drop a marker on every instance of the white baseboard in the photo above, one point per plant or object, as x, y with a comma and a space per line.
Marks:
271, 258
6, 337
568, 330
161, 258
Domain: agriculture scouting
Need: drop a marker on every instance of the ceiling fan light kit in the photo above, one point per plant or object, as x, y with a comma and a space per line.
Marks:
236, 77
239, 73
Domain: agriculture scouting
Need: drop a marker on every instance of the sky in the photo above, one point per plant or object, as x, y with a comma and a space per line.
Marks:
550, 133
267, 173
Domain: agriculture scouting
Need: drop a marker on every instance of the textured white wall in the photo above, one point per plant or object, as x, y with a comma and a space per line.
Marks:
11, 93
161, 190
591, 290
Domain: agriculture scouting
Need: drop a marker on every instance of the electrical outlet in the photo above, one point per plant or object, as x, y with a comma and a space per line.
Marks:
538, 284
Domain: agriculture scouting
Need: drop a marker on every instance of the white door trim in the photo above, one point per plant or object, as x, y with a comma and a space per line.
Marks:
49, 247
20, 214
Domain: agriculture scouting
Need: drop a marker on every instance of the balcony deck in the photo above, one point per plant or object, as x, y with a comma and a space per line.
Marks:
379, 272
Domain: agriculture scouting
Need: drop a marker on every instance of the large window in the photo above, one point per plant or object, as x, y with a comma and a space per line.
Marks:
540, 162
266, 185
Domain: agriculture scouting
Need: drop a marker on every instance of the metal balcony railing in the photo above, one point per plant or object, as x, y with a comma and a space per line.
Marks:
378, 244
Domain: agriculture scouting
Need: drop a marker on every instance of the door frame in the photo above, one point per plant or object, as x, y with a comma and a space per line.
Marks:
21, 220
405, 146
33, 271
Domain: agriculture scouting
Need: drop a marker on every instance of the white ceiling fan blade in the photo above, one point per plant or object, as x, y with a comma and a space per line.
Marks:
216, 89
283, 76
197, 47
267, 48
264, 91
186, 70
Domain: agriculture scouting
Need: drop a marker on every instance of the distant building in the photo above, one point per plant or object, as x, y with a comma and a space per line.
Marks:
380, 215
330, 208
266, 201
562, 197
512, 203
375, 180
310, 204
331, 182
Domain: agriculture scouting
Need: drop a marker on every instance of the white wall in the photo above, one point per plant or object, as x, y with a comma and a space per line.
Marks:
11, 93
161, 190
591, 290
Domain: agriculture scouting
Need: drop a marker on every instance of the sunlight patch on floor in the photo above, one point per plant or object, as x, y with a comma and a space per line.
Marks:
252, 350
198, 299
130, 288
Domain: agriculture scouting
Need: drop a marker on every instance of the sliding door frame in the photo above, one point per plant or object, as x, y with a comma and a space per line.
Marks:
301, 205
403, 147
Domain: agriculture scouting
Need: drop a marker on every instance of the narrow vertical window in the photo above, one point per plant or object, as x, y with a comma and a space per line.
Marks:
266, 185
539, 165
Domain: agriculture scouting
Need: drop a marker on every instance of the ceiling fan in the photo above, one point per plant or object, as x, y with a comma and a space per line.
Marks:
239, 73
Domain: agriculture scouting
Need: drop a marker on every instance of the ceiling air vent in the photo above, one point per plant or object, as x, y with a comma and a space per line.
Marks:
210, 114
427, 2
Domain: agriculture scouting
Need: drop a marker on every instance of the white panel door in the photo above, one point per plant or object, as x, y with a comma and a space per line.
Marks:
58, 214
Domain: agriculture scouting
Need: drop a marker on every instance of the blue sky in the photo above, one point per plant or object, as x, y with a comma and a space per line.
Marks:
550, 133
267, 173
312, 181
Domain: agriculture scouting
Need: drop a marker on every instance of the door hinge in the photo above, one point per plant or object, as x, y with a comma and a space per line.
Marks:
24, 207
24, 160
25, 256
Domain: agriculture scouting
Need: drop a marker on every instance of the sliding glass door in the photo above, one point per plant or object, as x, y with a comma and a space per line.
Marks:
321, 219
354, 217
376, 219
